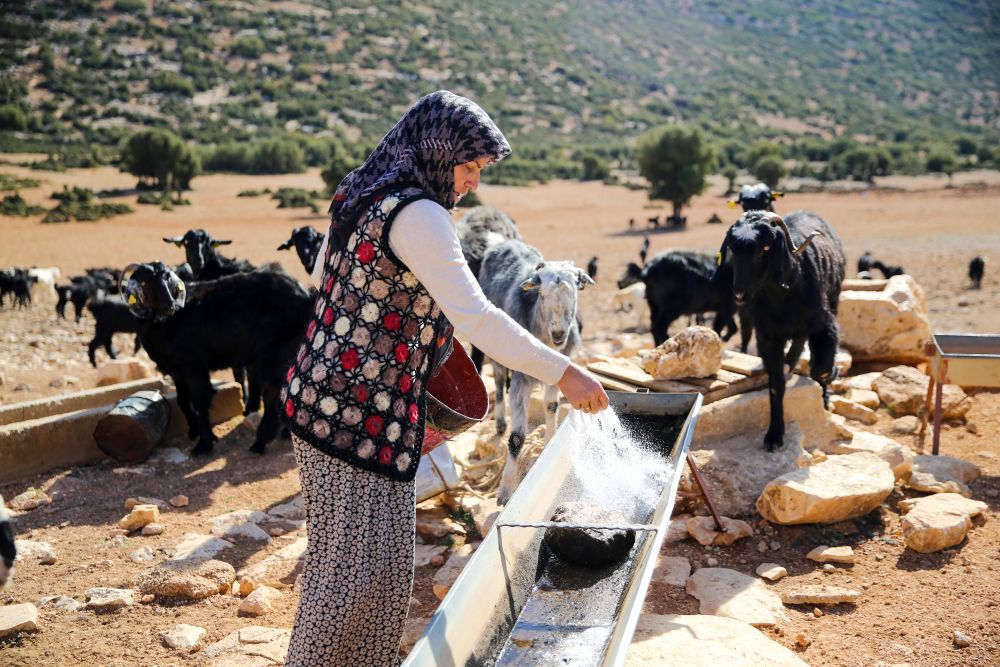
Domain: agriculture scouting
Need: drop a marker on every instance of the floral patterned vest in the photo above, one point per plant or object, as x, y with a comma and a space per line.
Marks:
358, 386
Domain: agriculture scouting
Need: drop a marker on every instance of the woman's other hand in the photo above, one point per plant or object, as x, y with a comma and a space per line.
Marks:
582, 390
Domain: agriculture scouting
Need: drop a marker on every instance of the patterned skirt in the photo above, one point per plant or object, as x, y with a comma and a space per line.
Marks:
358, 569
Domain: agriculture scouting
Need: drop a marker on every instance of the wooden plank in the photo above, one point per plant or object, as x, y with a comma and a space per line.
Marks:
633, 374
745, 364
708, 384
612, 384
748, 383
729, 377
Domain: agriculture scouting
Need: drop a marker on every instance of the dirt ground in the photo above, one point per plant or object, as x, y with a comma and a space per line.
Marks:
911, 603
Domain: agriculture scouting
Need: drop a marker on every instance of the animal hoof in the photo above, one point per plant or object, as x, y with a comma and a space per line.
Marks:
772, 443
503, 495
258, 448
201, 449
501, 426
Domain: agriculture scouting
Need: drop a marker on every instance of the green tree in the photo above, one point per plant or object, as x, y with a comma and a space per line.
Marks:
342, 162
160, 157
594, 168
12, 117
862, 163
769, 169
279, 156
759, 150
675, 160
730, 172
942, 160
248, 46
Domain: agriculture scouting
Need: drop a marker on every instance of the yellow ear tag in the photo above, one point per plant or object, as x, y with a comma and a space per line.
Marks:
131, 299
180, 287
731, 204
718, 258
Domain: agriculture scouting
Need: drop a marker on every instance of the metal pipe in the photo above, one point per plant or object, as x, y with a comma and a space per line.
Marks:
704, 492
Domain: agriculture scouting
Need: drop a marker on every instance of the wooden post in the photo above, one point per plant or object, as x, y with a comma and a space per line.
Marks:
937, 418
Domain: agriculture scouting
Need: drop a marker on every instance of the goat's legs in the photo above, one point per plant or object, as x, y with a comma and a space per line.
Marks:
822, 366
201, 400
500, 380
520, 399
772, 352
746, 331
551, 411
268, 426
184, 403
92, 351
794, 352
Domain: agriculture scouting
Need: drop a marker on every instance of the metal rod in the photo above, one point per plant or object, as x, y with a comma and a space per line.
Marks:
927, 408
704, 492
643, 527
937, 418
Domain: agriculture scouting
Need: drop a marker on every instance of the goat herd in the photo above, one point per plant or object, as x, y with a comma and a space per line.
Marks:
780, 276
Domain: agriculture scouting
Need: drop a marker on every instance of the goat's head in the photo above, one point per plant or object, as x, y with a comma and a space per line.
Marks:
198, 246
557, 284
759, 250
306, 242
152, 291
633, 274
757, 197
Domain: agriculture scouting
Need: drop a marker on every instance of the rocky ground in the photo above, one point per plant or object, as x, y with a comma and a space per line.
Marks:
910, 604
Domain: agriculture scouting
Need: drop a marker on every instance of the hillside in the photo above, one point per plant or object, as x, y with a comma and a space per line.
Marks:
585, 73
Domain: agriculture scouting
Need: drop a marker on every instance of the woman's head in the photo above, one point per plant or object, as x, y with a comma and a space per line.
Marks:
441, 144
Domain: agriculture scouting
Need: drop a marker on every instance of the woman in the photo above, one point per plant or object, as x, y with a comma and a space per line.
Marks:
391, 286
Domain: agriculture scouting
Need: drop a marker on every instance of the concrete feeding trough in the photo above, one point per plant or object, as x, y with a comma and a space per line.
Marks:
968, 360
515, 604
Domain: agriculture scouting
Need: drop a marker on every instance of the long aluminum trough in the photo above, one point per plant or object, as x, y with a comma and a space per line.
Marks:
474, 621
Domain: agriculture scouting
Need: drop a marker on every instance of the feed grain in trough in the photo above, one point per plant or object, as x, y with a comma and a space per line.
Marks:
516, 604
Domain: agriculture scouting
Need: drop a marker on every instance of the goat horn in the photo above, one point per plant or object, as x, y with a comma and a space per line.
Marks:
126, 275
776, 219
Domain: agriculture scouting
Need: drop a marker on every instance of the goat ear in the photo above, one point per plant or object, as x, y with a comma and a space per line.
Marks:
177, 241
582, 279
781, 260
285, 246
216, 243
532, 283
539, 266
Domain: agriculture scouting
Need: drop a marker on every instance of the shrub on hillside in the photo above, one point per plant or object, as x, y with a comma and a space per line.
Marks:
15, 205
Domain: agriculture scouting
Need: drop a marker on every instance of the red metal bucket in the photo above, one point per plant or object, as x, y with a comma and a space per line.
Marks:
456, 399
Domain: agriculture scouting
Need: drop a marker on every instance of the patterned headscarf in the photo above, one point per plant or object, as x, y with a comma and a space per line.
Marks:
439, 132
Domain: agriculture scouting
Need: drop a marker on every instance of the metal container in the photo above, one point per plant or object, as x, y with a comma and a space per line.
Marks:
456, 399
968, 360
476, 617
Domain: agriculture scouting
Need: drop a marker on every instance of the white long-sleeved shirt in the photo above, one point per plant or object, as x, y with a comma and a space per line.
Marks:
423, 237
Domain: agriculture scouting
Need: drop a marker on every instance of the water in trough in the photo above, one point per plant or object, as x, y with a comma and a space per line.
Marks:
620, 463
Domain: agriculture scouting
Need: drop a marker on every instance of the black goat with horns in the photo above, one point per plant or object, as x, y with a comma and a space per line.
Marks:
253, 320
788, 274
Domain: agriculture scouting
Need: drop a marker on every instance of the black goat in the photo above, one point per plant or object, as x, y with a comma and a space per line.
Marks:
643, 251
248, 320
865, 262
888, 271
592, 268
111, 316
789, 276
306, 241
757, 197
8, 548
17, 283
206, 263
976, 269
679, 282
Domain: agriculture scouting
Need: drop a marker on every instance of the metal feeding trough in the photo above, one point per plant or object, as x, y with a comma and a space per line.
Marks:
968, 360
515, 604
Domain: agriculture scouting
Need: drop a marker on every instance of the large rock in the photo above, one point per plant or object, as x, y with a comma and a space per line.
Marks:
139, 517
109, 599
115, 371
852, 410
860, 382
890, 324
704, 641
34, 550
183, 637
818, 594
240, 523
260, 601
899, 457
445, 577
186, 579
749, 414
705, 532
589, 547
695, 352
280, 569
672, 570
842, 487
942, 474
195, 547
904, 390
724, 592
939, 521
16, 618
252, 646
737, 469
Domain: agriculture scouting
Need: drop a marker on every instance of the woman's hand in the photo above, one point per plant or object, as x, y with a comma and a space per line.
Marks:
581, 390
